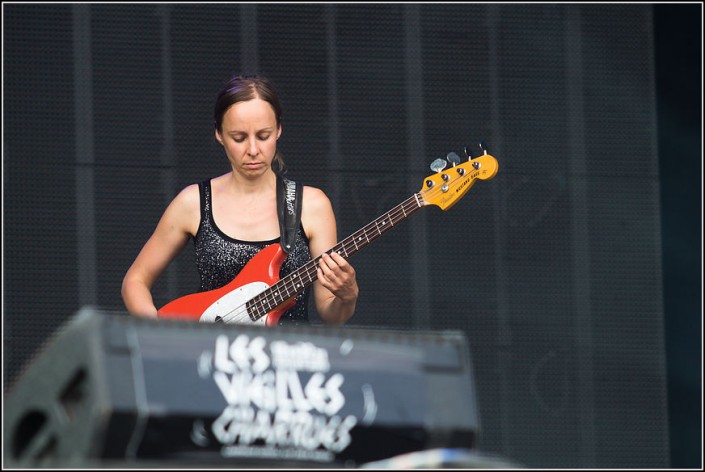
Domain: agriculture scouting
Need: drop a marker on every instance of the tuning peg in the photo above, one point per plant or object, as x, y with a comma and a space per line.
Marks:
483, 146
468, 154
453, 158
438, 165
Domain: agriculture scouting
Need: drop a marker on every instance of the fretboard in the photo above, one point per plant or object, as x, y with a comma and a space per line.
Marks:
298, 280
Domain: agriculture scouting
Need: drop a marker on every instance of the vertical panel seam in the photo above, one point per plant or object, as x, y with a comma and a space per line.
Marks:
421, 305
85, 160
248, 38
168, 148
580, 236
504, 334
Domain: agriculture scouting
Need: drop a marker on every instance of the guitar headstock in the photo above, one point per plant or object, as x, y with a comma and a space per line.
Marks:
447, 186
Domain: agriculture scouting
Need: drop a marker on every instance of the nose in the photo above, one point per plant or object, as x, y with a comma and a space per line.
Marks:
252, 148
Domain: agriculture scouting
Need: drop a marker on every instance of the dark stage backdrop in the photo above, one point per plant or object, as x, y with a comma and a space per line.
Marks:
553, 269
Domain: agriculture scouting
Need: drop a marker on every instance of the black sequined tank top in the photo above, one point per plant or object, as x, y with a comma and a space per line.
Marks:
219, 258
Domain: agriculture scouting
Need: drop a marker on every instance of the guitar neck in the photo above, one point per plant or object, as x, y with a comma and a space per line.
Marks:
369, 233
305, 275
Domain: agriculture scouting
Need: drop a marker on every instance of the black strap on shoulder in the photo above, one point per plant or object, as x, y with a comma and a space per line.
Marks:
289, 194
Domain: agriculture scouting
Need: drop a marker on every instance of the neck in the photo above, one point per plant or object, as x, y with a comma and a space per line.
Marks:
262, 184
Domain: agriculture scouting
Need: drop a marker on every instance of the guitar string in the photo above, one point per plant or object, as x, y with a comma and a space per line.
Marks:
294, 283
309, 269
399, 213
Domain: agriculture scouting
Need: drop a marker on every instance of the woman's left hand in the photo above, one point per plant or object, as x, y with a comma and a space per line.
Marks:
338, 276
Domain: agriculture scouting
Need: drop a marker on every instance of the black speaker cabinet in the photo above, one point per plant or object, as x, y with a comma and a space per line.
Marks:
111, 388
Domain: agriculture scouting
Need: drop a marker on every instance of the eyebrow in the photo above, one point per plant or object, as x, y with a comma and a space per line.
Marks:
264, 130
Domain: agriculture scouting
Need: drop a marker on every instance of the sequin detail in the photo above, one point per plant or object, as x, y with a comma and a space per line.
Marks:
219, 258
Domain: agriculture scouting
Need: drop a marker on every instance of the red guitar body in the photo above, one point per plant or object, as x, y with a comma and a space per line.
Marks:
228, 303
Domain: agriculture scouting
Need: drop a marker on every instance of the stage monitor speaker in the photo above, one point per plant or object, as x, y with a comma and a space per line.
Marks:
110, 388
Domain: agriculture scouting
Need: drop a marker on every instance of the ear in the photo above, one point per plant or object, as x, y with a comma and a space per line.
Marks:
218, 137
279, 132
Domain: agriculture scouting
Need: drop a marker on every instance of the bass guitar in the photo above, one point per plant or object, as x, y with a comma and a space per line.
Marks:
257, 295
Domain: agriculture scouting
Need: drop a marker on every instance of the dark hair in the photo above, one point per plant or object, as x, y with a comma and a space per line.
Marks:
242, 88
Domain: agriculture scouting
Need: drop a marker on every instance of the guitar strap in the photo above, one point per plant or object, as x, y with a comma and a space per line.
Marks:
289, 194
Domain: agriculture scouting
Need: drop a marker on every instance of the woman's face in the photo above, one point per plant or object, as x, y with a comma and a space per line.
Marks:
249, 136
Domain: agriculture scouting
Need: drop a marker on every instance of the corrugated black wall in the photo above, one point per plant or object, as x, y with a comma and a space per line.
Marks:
553, 269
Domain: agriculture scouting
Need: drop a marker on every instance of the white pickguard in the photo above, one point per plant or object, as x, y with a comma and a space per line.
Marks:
232, 308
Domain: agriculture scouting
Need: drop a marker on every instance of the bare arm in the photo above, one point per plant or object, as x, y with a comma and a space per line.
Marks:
335, 291
179, 221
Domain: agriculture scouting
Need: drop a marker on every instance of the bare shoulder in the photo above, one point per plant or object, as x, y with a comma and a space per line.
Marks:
188, 198
184, 211
315, 200
318, 219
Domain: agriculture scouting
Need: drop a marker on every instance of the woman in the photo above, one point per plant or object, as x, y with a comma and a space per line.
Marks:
233, 216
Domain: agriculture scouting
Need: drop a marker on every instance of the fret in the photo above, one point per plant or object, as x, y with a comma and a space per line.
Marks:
287, 293
390, 221
262, 308
251, 310
309, 279
298, 280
